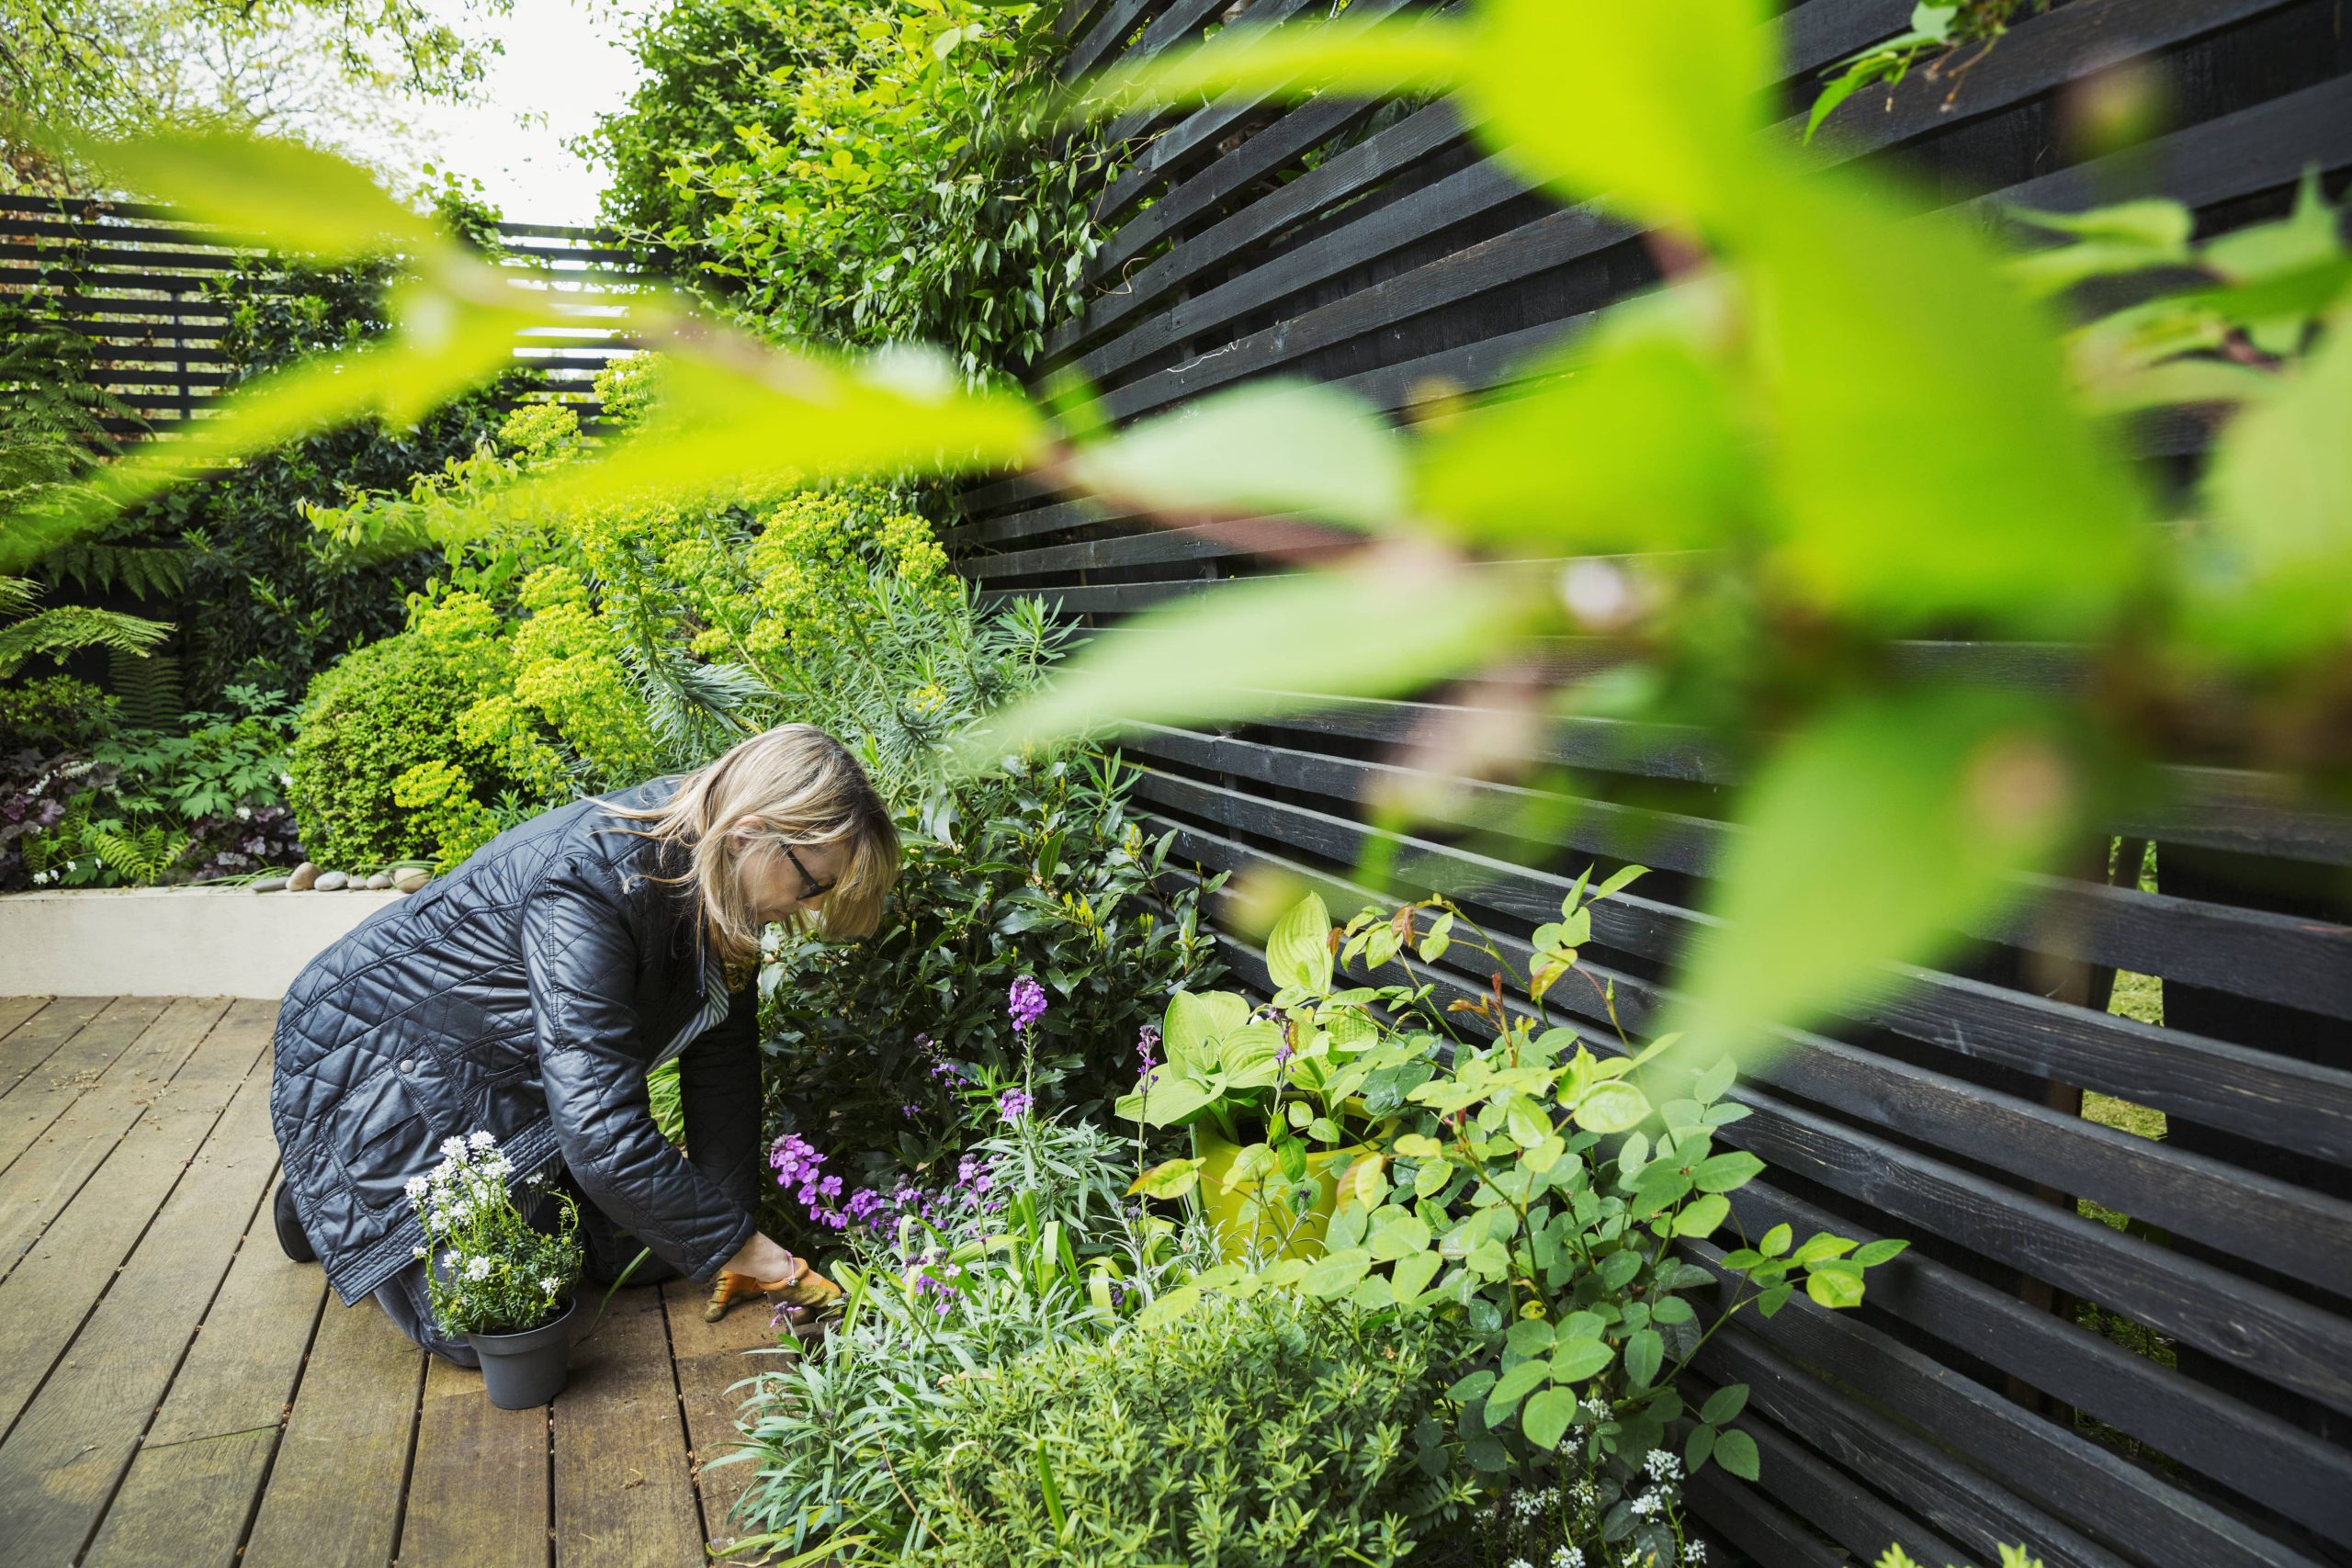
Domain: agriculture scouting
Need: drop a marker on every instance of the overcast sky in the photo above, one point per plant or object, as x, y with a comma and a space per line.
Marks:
565, 61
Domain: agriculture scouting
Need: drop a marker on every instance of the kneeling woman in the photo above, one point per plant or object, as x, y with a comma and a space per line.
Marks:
528, 992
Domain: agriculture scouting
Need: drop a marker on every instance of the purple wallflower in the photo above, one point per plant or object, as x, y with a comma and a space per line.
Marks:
909, 1112
1283, 1054
1013, 1104
1147, 1044
974, 1175
1026, 1003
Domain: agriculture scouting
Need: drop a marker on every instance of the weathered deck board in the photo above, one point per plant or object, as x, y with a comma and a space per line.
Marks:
173, 1392
336, 1491
65, 1457
478, 1492
34, 1037
48, 1091
711, 1360
96, 1127
622, 1493
191, 1488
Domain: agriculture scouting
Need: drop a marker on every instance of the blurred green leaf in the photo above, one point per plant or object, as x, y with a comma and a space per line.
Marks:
732, 416
2306, 237
1918, 809
1394, 623
1631, 445
267, 192
1268, 447
1650, 107
1361, 58
2154, 224
2277, 550
1900, 510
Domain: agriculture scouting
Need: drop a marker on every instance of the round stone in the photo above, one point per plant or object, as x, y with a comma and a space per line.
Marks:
305, 877
268, 883
408, 879
332, 881
378, 881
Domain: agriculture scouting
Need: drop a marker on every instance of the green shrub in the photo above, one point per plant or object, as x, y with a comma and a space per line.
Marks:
1263, 1431
57, 710
387, 709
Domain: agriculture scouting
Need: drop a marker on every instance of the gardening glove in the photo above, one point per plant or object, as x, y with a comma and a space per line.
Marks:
800, 1286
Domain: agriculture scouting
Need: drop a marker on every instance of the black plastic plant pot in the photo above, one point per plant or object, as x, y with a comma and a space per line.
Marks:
520, 1370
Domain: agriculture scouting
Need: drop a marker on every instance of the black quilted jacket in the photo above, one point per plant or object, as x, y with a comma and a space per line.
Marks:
526, 992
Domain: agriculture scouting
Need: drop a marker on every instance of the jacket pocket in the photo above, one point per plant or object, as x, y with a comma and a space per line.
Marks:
379, 1134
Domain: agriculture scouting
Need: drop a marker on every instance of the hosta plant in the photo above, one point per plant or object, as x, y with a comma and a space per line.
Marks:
1539, 1191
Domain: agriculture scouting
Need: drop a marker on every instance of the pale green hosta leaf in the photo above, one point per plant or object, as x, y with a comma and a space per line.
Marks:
2278, 554
1269, 448
1395, 622
1651, 108
2026, 521
1197, 1021
1298, 951
1374, 59
1873, 833
267, 192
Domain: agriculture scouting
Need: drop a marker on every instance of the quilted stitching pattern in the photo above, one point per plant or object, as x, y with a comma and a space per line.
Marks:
527, 993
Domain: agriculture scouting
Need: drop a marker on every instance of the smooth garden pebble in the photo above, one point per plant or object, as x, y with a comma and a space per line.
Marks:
269, 884
409, 879
332, 881
379, 881
305, 877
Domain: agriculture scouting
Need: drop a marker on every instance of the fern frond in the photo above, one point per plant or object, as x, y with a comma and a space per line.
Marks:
71, 626
149, 690
144, 571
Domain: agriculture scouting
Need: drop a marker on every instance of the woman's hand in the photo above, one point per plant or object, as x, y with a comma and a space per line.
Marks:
760, 1259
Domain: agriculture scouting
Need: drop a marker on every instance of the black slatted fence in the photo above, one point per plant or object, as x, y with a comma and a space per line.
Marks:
134, 277
2123, 1350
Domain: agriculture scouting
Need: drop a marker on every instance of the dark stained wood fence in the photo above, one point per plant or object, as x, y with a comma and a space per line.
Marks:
2175, 1389
137, 279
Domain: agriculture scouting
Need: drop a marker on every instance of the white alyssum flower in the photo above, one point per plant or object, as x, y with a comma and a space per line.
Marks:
244, 814
420, 1252
1568, 1557
1597, 1408
453, 1148
477, 1269
416, 1189
1519, 1563
450, 1262
479, 1139
1662, 1465
1694, 1551
1648, 1503
1584, 1494
550, 1284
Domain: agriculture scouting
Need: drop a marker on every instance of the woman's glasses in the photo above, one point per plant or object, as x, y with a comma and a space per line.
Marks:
810, 888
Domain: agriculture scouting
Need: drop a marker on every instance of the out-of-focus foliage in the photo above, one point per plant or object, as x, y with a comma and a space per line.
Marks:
1940, 32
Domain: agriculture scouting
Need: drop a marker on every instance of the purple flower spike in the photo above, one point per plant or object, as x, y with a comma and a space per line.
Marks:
1026, 1003
1013, 1104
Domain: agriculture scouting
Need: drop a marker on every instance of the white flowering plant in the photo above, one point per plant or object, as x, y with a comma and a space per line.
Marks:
1618, 1516
490, 1270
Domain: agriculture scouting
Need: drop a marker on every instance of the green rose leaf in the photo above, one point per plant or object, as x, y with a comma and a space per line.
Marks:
1580, 1359
1702, 1215
1335, 1273
1612, 1106
1736, 1451
1645, 1353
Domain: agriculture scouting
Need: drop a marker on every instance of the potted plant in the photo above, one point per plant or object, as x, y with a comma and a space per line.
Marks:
1268, 1095
495, 1278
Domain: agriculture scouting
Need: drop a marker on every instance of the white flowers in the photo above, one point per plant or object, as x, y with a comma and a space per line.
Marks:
1648, 1503
1527, 1504
286, 781
1568, 1557
550, 1284
477, 1267
480, 1140
452, 1148
1694, 1551
416, 1188
1519, 1563
1662, 1465
244, 814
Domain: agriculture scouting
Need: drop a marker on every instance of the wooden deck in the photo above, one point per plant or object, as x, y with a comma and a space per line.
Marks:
173, 1392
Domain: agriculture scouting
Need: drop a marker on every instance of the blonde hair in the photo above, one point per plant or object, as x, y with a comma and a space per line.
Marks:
802, 787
